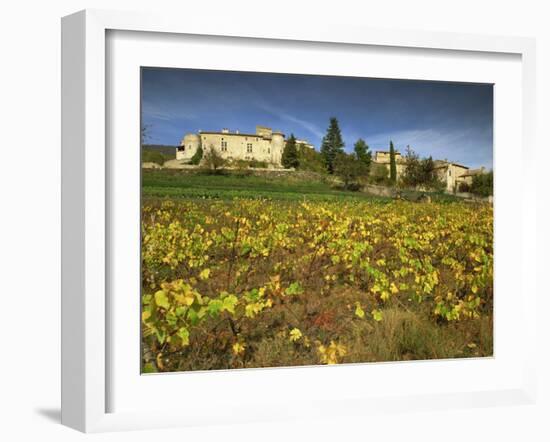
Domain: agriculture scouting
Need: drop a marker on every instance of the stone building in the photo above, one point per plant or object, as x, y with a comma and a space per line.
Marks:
265, 145
383, 157
451, 174
468, 176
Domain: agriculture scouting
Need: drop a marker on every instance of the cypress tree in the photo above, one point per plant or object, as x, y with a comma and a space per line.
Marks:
197, 157
362, 152
393, 165
290, 153
332, 144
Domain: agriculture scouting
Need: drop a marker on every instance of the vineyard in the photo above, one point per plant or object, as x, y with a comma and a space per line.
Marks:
238, 283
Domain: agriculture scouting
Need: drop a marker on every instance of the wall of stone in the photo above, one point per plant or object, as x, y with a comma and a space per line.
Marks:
238, 147
233, 146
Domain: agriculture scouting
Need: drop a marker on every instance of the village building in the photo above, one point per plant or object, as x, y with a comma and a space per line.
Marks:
468, 176
383, 157
265, 145
450, 173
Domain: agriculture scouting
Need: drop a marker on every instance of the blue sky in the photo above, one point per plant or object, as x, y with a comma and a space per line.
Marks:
451, 121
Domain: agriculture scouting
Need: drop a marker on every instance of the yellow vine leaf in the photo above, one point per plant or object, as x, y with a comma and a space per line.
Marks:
376, 315
295, 334
205, 274
359, 312
238, 348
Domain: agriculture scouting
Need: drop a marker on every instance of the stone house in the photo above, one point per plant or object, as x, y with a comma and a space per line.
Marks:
265, 145
450, 173
468, 176
383, 157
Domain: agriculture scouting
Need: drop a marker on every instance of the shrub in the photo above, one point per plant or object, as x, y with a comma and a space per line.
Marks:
482, 184
212, 161
255, 164
350, 169
197, 157
463, 187
420, 172
290, 154
379, 174
149, 156
310, 159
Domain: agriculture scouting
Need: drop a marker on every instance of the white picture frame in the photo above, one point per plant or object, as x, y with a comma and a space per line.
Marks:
86, 317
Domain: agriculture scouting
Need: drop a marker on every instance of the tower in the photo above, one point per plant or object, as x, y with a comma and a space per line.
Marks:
277, 147
188, 147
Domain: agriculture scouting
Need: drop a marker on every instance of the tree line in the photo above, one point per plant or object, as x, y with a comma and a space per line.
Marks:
357, 167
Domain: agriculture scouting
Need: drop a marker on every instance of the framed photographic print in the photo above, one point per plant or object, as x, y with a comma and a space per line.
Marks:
291, 223
295, 246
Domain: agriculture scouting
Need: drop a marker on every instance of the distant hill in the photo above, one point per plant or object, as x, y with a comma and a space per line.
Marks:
168, 151
156, 153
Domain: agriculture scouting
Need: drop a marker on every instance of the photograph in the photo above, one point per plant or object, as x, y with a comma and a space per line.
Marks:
302, 220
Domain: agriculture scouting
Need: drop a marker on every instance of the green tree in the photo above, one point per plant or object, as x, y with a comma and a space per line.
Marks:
482, 184
393, 165
212, 160
197, 157
362, 152
412, 173
152, 156
378, 173
310, 159
290, 153
332, 144
350, 169
420, 172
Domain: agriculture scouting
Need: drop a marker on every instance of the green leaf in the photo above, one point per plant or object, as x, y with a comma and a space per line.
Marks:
183, 333
162, 300
377, 315
161, 335
294, 289
149, 368
229, 303
214, 307
193, 316
245, 249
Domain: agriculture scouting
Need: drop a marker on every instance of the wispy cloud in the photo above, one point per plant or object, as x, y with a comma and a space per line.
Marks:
308, 126
166, 114
460, 145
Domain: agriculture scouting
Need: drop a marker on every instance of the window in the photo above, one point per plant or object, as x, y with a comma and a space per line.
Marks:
248, 147
181, 149
224, 146
449, 172
269, 150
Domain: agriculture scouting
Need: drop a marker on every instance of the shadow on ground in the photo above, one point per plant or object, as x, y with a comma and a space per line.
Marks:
51, 414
